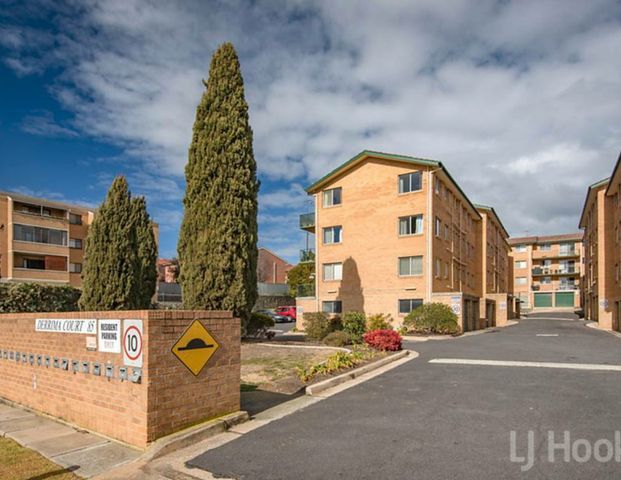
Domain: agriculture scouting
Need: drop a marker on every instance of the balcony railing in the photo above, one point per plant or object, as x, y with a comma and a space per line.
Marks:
306, 290
555, 271
307, 221
307, 255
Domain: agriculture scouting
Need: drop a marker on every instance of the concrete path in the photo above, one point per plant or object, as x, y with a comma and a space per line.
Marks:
84, 453
471, 417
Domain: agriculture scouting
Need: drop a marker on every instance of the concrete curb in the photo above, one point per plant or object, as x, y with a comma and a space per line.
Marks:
595, 325
192, 435
426, 338
357, 372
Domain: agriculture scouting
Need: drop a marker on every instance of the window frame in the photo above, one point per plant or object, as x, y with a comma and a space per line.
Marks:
331, 191
334, 303
409, 175
325, 229
409, 218
410, 264
331, 264
402, 313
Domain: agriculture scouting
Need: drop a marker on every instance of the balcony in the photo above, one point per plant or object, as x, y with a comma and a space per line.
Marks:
306, 290
307, 222
539, 254
307, 255
546, 271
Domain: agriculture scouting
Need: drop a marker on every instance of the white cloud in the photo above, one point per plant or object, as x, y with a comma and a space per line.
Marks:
501, 92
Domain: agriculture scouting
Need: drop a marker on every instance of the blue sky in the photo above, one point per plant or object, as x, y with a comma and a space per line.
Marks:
519, 99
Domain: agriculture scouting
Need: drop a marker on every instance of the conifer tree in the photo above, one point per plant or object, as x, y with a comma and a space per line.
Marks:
218, 238
146, 255
108, 276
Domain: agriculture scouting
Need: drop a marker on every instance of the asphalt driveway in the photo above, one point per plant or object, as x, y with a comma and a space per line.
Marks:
427, 420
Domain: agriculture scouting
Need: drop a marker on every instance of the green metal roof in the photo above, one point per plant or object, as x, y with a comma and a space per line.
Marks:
491, 209
592, 187
393, 157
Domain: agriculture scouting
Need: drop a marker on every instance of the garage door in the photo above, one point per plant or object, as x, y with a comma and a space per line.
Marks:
543, 299
564, 299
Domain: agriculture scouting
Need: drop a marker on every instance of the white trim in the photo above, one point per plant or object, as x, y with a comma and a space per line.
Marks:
502, 363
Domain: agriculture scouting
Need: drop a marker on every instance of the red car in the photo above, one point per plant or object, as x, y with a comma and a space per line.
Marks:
289, 312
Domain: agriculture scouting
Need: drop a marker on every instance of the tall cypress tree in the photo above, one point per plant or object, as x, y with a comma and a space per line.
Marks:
218, 238
108, 277
146, 255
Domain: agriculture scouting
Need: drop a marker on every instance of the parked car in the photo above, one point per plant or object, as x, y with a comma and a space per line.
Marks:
274, 316
290, 312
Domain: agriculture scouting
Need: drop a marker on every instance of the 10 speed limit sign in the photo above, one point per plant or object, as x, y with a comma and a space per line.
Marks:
132, 343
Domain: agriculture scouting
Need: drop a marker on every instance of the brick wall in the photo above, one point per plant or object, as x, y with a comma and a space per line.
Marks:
168, 398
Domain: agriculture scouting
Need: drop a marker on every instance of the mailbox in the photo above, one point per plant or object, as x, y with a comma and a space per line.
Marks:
136, 376
64, 364
109, 371
123, 373
96, 369
39, 360
47, 361
75, 366
56, 362
24, 357
86, 367
18, 357
31, 358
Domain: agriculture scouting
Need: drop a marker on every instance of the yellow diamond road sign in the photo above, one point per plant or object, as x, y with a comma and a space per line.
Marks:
195, 347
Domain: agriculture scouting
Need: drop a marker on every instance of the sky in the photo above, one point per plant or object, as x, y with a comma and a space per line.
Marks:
519, 99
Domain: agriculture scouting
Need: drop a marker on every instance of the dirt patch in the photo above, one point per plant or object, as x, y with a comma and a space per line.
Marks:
273, 368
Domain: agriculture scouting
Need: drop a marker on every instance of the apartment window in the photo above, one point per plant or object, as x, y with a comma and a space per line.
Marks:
446, 270
438, 268
411, 225
75, 267
546, 280
28, 233
438, 227
545, 247
33, 263
75, 219
333, 306
447, 232
520, 248
520, 281
409, 304
438, 186
332, 235
410, 182
567, 248
409, 266
332, 271
332, 197
75, 243
520, 264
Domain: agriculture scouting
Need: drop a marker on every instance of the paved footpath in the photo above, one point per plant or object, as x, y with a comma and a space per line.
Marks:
84, 453
450, 414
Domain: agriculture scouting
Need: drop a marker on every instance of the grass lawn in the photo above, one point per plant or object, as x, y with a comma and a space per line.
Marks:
19, 463
273, 368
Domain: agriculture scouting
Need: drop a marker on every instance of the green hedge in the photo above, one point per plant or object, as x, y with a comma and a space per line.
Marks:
432, 318
35, 297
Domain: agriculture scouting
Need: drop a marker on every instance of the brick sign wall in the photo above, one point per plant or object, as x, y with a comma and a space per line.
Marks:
116, 372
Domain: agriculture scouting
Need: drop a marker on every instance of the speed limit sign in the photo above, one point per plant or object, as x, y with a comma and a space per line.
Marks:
132, 343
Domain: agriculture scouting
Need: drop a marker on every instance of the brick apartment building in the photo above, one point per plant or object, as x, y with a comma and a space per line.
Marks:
393, 232
601, 222
271, 268
43, 240
547, 270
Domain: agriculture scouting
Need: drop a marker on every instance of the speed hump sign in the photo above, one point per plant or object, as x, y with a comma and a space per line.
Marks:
132, 343
195, 347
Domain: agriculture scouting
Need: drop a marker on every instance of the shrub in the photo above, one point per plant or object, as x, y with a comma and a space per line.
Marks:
317, 325
379, 321
337, 339
384, 340
258, 323
335, 362
354, 324
36, 297
432, 318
